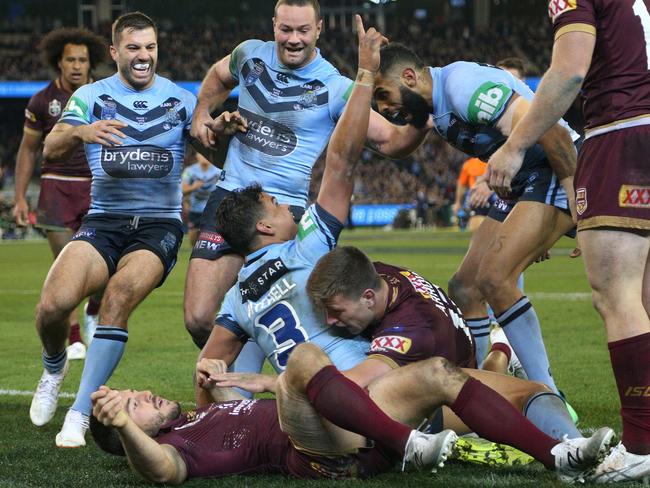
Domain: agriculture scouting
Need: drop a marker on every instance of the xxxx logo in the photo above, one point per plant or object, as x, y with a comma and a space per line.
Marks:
391, 343
634, 196
558, 7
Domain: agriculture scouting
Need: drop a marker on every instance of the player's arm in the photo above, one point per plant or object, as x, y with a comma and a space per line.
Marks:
158, 463
367, 371
215, 88
394, 141
572, 53
349, 135
222, 344
65, 139
207, 370
25, 164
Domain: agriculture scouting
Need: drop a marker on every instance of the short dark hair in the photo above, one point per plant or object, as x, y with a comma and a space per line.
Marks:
396, 54
237, 217
131, 21
54, 42
513, 63
345, 271
106, 438
300, 3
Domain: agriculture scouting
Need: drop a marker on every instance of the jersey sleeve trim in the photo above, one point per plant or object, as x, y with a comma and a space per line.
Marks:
578, 27
227, 322
74, 122
32, 132
332, 223
385, 360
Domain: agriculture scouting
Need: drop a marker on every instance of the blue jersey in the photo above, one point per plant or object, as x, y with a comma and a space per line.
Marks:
270, 304
291, 114
198, 198
468, 100
142, 176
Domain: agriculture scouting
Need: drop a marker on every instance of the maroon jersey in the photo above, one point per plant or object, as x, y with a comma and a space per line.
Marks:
421, 321
238, 437
617, 86
42, 113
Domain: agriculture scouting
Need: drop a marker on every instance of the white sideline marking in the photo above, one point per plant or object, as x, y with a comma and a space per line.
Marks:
542, 295
63, 394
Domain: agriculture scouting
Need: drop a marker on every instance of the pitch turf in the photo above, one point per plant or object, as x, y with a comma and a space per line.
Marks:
160, 357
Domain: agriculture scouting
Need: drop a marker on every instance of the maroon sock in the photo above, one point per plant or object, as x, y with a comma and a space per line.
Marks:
347, 405
93, 306
492, 417
74, 335
630, 362
504, 348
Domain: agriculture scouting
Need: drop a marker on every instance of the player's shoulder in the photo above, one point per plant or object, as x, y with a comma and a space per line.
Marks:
167, 85
255, 47
45, 93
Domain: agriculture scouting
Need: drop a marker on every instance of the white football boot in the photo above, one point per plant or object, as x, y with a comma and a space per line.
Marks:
577, 459
46, 398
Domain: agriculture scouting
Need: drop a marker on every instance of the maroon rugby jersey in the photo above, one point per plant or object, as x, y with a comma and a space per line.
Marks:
421, 321
42, 113
221, 439
617, 86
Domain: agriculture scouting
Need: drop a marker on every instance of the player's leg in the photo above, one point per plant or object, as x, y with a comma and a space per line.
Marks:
530, 229
464, 292
206, 284
78, 271
614, 261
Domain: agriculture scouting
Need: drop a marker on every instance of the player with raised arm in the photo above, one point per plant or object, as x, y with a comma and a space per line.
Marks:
65, 186
602, 46
291, 98
133, 126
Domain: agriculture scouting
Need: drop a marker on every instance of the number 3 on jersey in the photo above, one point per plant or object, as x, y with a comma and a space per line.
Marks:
282, 324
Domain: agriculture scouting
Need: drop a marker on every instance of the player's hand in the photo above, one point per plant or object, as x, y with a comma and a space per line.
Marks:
21, 212
200, 131
576, 253
544, 257
104, 132
227, 124
370, 42
502, 168
252, 382
108, 407
479, 196
205, 368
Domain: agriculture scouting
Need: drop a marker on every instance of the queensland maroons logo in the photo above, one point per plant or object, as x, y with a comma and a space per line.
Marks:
266, 135
581, 200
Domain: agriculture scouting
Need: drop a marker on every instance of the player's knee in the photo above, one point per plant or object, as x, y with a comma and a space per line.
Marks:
50, 310
441, 375
304, 362
489, 282
199, 324
601, 302
461, 292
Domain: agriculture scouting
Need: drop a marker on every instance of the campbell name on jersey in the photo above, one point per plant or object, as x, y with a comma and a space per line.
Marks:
291, 114
142, 175
270, 304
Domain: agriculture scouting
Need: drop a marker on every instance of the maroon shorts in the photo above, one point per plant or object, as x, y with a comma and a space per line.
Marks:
365, 464
612, 181
62, 204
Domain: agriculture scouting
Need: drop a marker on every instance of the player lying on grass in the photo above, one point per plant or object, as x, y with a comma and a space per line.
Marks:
319, 425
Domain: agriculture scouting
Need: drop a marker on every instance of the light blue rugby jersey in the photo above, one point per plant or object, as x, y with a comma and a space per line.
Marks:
143, 176
468, 99
199, 198
270, 304
291, 114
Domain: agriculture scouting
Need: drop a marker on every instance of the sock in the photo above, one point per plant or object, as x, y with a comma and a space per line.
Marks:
346, 404
92, 307
548, 412
75, 334
504, 348
522, 329
250, 360
480, 329
104, 353
492, 417
54, 364
632, 372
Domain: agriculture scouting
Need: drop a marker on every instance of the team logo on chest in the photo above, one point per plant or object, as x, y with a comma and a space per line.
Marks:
54, 108
255, 72
391, 343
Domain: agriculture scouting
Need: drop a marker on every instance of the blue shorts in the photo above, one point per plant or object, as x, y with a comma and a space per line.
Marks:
116, 235
210, 245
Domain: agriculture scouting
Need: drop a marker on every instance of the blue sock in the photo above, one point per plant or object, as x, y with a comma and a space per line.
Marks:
104, 353
522, 329
250, 360
549, 414
480, 329
54, 364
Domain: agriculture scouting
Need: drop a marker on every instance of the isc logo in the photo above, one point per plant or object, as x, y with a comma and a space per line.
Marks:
487, 103
637, 391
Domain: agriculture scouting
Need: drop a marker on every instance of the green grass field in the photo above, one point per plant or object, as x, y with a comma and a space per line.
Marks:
160, 356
